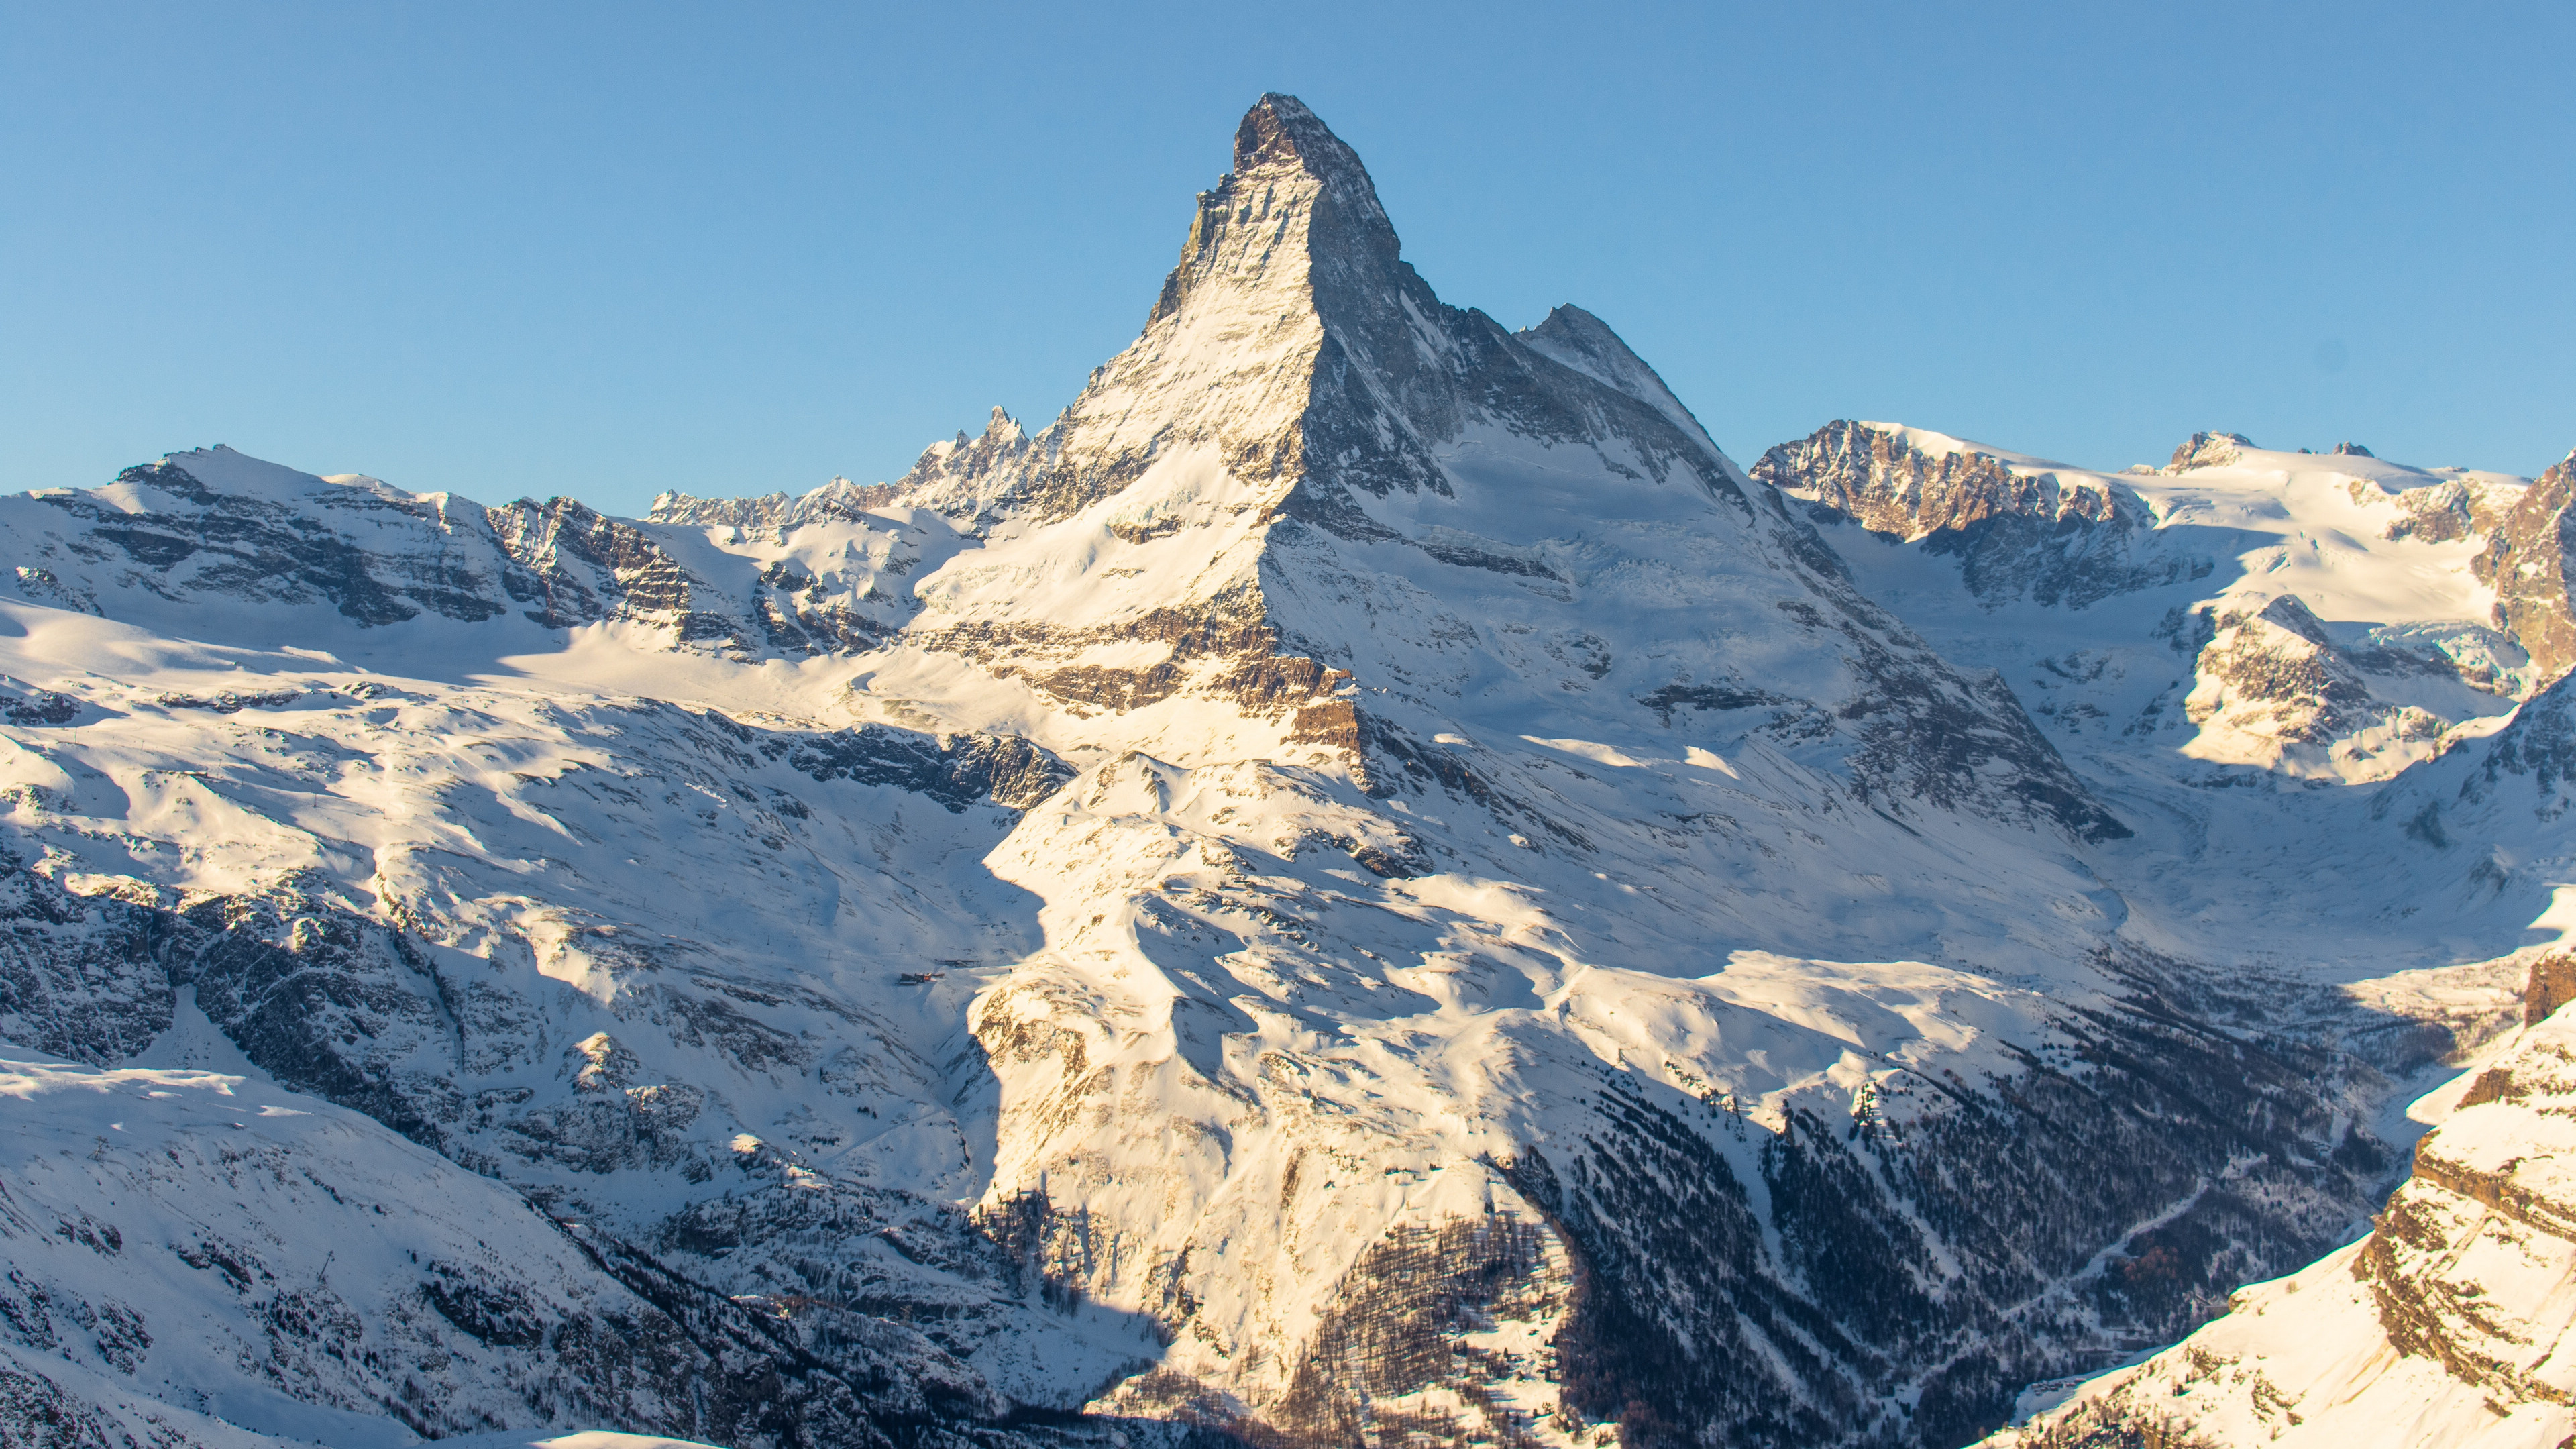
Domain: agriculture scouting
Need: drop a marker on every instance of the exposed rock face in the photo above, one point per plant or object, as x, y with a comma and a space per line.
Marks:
2552, 984
2017, 532
2273, 672
2208, 450
163, 523
2456, 509
1881, 479
2526, 560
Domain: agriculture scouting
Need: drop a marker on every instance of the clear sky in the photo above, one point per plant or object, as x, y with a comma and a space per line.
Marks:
530, 249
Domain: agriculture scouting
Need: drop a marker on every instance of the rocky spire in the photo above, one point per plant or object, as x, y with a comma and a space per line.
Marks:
2208, 450
1229, 351
2530, 560
1297, 195
1293, 342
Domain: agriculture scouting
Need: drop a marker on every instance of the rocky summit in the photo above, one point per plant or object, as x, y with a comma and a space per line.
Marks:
1366, 885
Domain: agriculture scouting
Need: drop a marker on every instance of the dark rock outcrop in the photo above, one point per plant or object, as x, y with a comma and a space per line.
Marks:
2017, 532
2208, 450
2526, 562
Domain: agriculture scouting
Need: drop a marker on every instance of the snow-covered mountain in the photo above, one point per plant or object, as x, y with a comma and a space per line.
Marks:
2318, 617
2235, 558
1365, 880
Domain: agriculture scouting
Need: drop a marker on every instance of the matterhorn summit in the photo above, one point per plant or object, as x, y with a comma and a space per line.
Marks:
1364, 881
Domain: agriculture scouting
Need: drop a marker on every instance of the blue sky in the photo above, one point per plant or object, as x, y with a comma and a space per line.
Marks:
607, 250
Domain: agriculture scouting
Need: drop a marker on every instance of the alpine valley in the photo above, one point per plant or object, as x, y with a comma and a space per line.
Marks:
1365, 886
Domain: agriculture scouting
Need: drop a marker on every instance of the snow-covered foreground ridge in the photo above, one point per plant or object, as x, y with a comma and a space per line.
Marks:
1366, 881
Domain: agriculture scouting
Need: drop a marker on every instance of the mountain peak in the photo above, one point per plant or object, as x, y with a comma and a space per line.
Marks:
2208, 450
1280, 137
1281, 129
1579, 340
1297, 194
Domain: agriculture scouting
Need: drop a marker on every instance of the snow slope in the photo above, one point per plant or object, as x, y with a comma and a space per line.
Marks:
231, 1254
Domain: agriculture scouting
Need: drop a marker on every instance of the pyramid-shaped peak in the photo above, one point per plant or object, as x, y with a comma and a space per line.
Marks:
1297, 200
1281, 138
1281, 130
